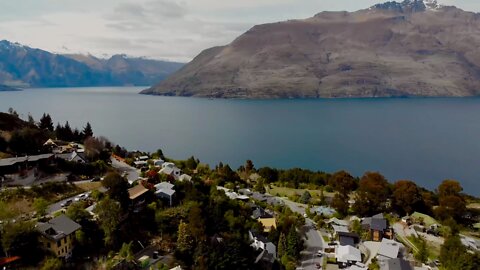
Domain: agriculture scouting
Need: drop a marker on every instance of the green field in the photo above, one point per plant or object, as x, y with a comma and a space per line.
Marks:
287, 192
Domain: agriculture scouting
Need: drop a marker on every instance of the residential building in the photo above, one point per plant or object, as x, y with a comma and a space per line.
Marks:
268, 249
171, 169
378, 227
347, 256
165, 190
58, 235
396, 264
268, 223
348, 239
389, 249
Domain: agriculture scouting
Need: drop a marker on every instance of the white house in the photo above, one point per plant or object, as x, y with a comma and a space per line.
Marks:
170, 168
165, 190
259, 242
347, 255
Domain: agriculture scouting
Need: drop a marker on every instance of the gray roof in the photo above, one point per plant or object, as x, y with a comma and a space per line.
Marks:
11, 161
260, 213
377, 222
346, 241
397, 264
389, 248
165, 188
58, 228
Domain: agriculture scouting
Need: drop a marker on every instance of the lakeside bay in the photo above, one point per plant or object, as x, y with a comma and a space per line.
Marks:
422, 139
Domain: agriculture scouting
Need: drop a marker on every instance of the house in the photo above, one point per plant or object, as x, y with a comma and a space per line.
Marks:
143, 158
158, 162
245, 191
72, 157
260, 213
396, 264
347, 256
259, 242
140, 163
58, 235
338, 226
268, 223
325, 211
348, 239
12, 167
185, 178
165, 190
389, 249
135, 193
377, 226
171, 169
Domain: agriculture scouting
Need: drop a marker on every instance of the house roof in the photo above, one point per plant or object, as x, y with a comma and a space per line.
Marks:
185, 177
340, 229
346, 241
11, 161
257, 236
165, 188
377, 222
396, 264
268, 222
59, 227
389, 248
348, 254
260, 213
338, 222
136, 191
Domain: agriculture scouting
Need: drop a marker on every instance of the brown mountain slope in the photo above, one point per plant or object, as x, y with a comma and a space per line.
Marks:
387, 50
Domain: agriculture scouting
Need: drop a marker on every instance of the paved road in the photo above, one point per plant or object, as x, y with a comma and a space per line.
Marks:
313, 238
132, 174
58, 205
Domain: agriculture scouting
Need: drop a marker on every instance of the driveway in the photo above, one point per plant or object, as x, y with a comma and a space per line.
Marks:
132, 174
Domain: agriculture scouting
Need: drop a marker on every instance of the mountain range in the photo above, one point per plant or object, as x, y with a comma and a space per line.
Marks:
409, 48
22, 66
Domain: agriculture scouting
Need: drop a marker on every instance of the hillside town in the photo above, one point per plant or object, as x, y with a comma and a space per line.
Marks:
71, 200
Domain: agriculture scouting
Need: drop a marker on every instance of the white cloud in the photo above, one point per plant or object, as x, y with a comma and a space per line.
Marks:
162, 29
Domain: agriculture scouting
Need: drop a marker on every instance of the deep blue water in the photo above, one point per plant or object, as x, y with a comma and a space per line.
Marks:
423, 139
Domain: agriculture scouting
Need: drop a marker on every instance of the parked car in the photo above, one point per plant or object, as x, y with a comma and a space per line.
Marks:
318, 266
319, 253
66, 203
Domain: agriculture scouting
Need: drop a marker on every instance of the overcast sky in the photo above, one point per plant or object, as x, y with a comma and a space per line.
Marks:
162, 29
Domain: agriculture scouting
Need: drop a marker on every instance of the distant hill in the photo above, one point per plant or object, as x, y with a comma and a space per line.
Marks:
412, 48
22, 66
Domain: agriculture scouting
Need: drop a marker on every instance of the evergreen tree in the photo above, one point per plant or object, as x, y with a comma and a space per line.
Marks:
31, 121
68, 134
87, 131
282, 245
46, 122
306, 196
293, 243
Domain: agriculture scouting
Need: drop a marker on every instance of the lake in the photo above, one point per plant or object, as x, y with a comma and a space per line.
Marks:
423, 139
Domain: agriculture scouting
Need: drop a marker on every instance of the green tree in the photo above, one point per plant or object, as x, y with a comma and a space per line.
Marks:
306, 197
41, 206
451, 253
422, 254
282, 245
87, 131
452, 203
30, 120
270, 175
126, 252
19, 239
249, 167
294, 244
78, 213
185, 243
109, 214
196, 222
46, 122
260, 185
52, 263
340, 204
117, 188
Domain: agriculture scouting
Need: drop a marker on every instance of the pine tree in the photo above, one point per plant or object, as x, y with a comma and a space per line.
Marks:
31, 121
68, 134
46, 122
87, 131
293, 243
282, 245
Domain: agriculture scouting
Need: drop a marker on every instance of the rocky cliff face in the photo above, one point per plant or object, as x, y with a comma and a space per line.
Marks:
413, 48
22, 66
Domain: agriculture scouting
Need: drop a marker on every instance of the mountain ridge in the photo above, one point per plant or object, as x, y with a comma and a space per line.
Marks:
422, 49
23, 66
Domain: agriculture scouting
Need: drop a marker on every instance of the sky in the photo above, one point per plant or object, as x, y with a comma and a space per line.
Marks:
175, 30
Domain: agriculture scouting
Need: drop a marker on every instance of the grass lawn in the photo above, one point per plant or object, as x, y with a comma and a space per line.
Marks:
89, 185
428, 220
287, 192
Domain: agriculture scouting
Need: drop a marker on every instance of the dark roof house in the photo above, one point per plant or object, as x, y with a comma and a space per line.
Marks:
58, 228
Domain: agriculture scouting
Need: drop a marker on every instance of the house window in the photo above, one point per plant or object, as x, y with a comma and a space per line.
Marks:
59, 243
65, 240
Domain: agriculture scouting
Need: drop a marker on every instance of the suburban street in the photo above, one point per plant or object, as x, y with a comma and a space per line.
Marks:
132, 174
313, 239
